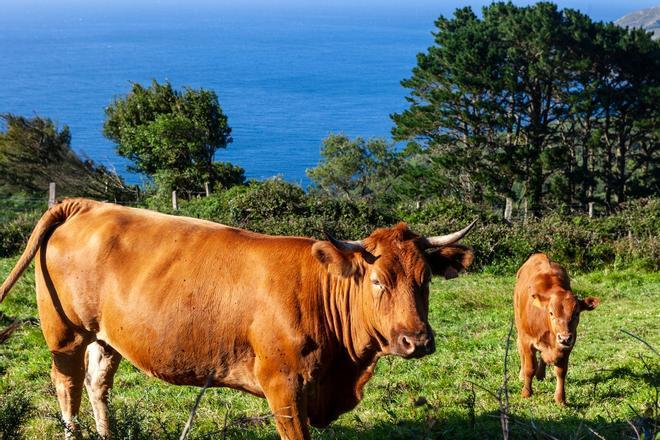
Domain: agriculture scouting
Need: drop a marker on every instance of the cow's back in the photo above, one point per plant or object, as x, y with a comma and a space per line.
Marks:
175, 296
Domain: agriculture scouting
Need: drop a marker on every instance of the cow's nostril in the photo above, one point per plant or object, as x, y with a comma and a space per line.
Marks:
406, 344
564, 340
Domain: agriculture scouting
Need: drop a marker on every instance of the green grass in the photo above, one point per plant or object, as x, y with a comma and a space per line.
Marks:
612, 378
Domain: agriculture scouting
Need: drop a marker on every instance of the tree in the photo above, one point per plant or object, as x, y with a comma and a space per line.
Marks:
34, 152
612, 129
355, 169
172, 135
524, 102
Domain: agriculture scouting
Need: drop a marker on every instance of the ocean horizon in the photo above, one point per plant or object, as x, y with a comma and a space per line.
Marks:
286, 75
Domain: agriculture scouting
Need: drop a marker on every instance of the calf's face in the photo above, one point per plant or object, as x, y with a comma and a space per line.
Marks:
563, 310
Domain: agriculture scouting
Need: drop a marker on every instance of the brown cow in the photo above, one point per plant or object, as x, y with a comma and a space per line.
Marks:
547, 314
298, 321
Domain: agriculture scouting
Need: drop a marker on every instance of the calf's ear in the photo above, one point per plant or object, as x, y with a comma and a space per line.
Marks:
540, 297
338, 262
449, 261
589, 303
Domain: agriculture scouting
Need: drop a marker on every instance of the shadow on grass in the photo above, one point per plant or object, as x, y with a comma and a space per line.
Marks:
486, 425
648, 376
131, 425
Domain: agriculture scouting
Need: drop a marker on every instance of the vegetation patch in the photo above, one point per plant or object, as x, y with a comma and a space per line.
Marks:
612, 383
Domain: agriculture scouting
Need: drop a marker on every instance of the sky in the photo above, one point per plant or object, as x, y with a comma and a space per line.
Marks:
12, 9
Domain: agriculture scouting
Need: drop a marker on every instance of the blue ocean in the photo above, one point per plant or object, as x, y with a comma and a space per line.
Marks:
287, 74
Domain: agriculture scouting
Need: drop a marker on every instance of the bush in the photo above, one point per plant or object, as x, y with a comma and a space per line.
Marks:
345, 219
630, 236
15, 233
272, 199
15, 409
279, 208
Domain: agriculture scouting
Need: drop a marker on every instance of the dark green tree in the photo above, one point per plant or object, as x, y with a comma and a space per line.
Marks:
172, 135
524, 102
629, 129
611, 131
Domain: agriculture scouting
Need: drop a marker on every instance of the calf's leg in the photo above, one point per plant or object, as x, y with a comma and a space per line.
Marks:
101, 363
540, 370
561, 368
527, 367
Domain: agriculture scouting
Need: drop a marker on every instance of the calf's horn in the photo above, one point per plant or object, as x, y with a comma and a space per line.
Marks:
444, 240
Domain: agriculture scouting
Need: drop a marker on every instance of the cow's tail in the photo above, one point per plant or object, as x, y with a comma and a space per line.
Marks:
55, 216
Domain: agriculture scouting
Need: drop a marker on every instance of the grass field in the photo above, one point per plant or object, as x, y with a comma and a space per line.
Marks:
613, 378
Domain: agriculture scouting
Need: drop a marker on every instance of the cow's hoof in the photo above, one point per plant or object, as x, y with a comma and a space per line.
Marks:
525, 393
560, 401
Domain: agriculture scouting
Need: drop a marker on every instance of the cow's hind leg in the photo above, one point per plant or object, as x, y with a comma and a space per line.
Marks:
101, 364
67, 342
68, 374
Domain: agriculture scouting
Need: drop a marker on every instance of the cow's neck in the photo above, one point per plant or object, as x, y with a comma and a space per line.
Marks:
347, 320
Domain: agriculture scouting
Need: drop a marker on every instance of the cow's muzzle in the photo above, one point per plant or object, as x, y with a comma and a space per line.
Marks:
415, 345
565, 341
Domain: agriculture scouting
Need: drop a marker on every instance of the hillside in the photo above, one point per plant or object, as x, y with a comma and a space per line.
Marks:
648, 19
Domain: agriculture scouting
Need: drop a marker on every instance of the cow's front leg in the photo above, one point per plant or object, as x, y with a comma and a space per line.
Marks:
561, 368
284, 392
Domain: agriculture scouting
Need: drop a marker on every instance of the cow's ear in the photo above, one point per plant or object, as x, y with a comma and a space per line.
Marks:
589, 303
449, 261
338, 262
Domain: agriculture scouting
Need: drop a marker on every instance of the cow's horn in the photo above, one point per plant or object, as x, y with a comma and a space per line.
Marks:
444, 240
344, 246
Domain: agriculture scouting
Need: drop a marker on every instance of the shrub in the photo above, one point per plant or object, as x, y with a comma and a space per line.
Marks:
345, 219
629, 236
268, 200
15, 409
15, 233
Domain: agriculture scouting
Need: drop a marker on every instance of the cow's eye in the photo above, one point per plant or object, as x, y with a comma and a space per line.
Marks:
376, 283
552, 314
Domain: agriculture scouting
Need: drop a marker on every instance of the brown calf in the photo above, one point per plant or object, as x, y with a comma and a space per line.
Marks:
547, 314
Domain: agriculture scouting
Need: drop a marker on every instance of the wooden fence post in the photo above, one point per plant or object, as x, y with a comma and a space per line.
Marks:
175, 203
591, 209
508, 208
207, 189
51, 194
